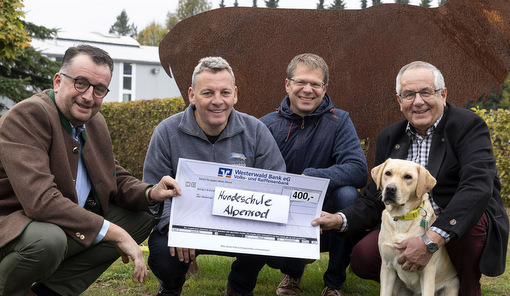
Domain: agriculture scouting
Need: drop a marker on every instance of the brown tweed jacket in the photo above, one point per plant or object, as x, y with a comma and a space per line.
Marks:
38, 165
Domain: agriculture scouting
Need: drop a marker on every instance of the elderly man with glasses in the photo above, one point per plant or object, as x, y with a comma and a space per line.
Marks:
317, 139
67, 209
454, 144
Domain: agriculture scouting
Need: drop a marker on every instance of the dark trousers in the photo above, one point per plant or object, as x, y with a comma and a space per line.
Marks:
465, 254
43, 253
172, 273
339, 248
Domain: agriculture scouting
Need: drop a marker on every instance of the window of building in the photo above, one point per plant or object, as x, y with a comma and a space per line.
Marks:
127, 81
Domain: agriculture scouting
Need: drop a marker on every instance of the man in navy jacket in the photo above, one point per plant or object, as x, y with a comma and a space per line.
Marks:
454, 144
316, 139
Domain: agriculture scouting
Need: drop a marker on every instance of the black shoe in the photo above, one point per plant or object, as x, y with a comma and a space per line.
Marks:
41, 290
230, 292
168, 292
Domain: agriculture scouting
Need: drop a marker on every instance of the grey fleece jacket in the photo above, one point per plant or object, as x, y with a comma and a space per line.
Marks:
245, 141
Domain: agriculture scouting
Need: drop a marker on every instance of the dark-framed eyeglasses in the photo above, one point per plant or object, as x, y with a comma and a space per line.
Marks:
313, 84
409, 95
82, 85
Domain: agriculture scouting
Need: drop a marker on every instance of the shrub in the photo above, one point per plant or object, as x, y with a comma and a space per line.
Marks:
499, 126
131, 125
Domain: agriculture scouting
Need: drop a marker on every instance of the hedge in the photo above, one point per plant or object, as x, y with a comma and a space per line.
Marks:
131, 125
499, 127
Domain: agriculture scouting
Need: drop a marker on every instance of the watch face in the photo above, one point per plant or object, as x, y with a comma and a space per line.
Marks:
432, 247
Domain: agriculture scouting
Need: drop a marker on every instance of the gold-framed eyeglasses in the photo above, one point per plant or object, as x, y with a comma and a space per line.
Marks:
82, 85
302, 83
409, 95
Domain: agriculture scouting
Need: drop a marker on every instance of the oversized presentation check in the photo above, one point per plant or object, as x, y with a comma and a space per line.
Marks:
238, 209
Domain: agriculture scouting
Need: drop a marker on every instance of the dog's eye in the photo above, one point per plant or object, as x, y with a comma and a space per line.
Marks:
387, 173
408, 177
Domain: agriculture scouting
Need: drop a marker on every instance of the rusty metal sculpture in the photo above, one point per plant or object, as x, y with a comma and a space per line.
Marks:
468, 40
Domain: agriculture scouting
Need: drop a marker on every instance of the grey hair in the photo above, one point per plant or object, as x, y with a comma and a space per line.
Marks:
311, 61
438, 77
211, 64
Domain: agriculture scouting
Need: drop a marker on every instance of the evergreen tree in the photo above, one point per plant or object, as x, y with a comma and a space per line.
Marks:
376, 2
254, 3
320, 5
441, 2
505, 94
236, 4
222, 4
337, 4
363, 4
425, 3
272, 3
27, 72
122, 27
402, 1
496, 99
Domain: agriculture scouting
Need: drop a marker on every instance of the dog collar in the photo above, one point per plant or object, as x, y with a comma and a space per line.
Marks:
412, 215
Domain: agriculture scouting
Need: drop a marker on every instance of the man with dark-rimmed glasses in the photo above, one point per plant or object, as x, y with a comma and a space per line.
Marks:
82, 85
67, 209
317, 139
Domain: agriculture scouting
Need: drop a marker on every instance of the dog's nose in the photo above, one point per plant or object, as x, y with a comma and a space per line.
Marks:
390, 194
391, 189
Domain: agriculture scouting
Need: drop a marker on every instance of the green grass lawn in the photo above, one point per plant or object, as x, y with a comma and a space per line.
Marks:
212, 280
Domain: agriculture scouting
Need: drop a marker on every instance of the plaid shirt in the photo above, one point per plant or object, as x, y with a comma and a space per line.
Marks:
419, 153
419, 150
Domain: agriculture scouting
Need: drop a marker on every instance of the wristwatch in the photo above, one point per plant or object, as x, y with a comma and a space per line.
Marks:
431, 246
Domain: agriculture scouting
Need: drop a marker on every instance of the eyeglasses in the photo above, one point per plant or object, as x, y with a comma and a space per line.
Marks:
301, 83
82, 85
408, 96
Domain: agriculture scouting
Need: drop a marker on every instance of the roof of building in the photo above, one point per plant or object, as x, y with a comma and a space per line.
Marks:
121, 48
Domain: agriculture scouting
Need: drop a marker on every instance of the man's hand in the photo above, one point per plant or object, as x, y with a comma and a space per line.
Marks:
328, 221
186, 255
128, 249
414, 255
165, 189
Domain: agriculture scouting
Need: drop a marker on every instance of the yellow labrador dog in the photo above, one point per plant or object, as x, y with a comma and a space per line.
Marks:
404, 186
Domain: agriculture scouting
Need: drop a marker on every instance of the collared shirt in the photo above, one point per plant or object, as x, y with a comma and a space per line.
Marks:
419, 153
83, 185
420, 146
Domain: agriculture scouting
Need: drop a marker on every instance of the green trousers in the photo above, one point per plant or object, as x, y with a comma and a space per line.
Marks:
43, 253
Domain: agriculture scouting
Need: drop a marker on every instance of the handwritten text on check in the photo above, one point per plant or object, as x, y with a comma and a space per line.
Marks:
252, 205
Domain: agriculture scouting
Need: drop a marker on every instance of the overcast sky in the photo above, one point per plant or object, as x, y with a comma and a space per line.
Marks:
99, 15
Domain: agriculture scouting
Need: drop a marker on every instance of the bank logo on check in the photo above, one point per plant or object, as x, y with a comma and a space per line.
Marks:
224, 172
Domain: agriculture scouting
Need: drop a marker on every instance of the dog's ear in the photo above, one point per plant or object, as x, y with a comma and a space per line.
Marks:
377, 173
425, 181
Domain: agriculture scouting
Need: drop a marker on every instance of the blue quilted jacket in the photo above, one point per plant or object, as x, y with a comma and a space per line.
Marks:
322, 144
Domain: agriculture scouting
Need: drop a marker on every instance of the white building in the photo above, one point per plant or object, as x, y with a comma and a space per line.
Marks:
137, 74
